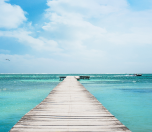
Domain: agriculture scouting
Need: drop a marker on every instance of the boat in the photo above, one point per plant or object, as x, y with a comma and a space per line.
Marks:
135, 74
138, 74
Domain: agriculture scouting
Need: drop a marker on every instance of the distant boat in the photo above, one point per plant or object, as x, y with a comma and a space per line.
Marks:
138, 74
7, 59
135, 75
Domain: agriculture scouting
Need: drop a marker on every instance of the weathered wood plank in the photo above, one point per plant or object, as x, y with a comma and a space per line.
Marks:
69, 107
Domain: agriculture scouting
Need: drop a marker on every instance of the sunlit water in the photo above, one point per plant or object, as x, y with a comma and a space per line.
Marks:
129, 98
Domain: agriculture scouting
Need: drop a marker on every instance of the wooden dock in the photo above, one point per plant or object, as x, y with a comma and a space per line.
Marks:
68, 108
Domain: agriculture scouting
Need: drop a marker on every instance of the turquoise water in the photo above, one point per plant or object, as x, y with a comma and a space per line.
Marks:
129, 98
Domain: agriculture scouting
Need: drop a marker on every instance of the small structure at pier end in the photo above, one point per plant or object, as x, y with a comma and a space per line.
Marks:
62, 78
84, 77
77, 77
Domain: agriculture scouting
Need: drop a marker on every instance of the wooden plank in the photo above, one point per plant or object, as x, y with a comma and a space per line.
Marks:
69, 107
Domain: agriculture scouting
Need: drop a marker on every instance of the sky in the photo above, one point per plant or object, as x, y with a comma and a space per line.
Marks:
76, 36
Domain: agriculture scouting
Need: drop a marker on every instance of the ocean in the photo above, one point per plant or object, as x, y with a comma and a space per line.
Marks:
128, 98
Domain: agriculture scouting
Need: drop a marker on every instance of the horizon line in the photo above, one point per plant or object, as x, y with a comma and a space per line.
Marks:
75, 73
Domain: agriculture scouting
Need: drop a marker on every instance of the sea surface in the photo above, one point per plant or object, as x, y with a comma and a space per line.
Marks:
127, 97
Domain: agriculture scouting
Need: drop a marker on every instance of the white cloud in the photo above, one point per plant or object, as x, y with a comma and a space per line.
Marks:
137, 36
102, 31
66, 20
98, 23
11, 16
24, 37
87, 7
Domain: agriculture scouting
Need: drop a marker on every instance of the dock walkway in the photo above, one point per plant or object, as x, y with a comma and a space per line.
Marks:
69, 107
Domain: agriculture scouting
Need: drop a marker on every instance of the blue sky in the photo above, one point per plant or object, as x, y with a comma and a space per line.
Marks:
76, 36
